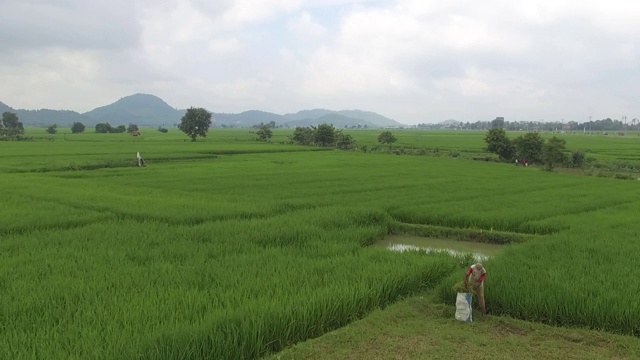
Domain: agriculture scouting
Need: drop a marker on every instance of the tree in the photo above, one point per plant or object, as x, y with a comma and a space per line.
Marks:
529, 147
10, 127
553, 153
77, 128
163, 129
325, 135
103, 128
497, 123
132, 128
498, 143
195, 123
120, 129
386, 137
52, 129
577, 160
345, 141
303, 135
264, 133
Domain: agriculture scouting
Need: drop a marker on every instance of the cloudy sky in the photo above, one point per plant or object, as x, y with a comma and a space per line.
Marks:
411, 60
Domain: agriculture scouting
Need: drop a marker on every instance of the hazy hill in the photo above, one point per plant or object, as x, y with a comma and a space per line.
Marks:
246, 119
140, 109
44, 117
151, 111
308, 114
338, 121
369, 118
4, 107
372, 117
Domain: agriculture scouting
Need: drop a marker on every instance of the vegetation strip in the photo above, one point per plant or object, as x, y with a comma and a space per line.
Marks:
479, 235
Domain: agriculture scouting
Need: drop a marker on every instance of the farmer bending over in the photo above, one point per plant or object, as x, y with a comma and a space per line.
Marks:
475, 277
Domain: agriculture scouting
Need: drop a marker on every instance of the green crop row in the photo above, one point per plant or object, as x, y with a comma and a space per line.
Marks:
233, 289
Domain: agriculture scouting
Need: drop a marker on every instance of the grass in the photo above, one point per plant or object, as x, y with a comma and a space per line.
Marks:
417, 328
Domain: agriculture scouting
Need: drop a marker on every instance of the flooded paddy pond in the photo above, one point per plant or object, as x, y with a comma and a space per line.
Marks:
480, 251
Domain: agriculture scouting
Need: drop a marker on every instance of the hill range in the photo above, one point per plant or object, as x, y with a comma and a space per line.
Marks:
147, 110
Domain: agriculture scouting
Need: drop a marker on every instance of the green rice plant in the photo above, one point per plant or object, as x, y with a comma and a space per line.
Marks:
229, 249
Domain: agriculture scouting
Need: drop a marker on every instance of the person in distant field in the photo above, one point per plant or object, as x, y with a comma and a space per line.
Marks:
140, 159
475, 277
516, 162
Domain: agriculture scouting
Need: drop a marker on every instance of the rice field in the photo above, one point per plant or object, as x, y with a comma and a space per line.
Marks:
230, 248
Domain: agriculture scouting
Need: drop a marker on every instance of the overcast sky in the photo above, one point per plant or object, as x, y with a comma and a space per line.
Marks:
410, 60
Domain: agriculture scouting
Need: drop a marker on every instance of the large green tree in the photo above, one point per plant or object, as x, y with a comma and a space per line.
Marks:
132, 128
529, 147
302, 135
325, 135
553, 153
104, 128
52, 129
77, 128
10, 127
498, 143
119, 129
265, 133
345, 141
386, 137
195, 122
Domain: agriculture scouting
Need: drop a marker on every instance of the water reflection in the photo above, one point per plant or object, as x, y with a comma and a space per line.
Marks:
403, 247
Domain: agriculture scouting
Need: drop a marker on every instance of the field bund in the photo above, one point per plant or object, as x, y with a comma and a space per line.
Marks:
228, 248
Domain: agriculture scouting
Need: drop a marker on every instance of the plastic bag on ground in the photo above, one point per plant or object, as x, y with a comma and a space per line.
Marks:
463, 307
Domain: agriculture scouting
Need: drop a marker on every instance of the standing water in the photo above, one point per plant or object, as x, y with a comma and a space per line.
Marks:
480, 251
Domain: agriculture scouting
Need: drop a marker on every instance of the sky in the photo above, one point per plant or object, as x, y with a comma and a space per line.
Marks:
414, 61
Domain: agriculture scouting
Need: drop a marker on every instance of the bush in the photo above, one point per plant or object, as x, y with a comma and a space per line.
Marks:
623, 176
577, 160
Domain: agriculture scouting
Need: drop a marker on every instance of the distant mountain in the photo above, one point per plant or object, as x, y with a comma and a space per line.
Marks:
245, 119
450, 122
4, 107
150, 111
139, 109
308, 114
368, 118
44, 117
338, 121
371, 117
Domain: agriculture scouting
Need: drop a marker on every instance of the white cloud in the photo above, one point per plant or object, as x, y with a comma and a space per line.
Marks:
306, 27
223, 46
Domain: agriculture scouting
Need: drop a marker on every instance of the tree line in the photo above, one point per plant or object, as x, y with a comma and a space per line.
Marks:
12, 129
532, 148
323, 135
607, 124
